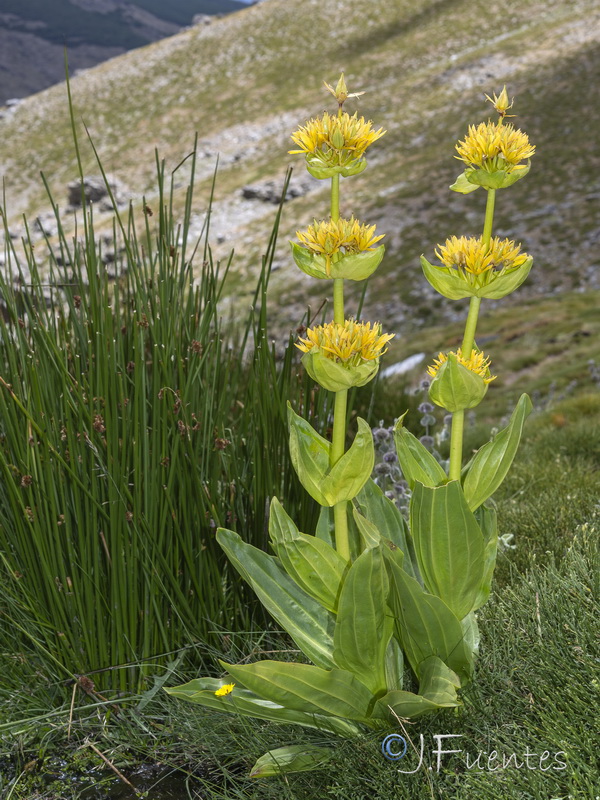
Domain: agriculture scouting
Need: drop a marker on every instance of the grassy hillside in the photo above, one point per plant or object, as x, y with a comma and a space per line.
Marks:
245, 82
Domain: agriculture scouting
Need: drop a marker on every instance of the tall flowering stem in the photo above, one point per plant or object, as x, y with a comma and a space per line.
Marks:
487, 267
339, 355
340, 408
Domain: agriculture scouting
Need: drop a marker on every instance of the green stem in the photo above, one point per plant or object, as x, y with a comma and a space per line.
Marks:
338, 442
470, 327
456, 443
335, 198
489, 217
338, 300
338, 283
458, 418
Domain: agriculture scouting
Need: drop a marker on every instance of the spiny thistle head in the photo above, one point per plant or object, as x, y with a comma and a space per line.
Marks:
341, 355
477, 362
492, 147
472, 255
224, 690
335, 143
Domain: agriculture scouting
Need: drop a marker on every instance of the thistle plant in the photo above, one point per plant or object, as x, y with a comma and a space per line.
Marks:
368, 591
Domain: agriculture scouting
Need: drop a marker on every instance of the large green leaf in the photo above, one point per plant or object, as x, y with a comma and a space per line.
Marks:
449, 545
364, 625
425, 626
490, 464
315, 566
348, 475
417, 463
302, 687
388, 520
243, 701
437, 689
282, 527
307, 622
309, 453
294, 758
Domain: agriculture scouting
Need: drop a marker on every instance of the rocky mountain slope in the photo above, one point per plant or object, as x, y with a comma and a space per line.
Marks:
247, 80
33, 34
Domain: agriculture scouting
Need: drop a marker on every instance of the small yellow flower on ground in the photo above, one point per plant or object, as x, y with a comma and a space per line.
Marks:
224, 690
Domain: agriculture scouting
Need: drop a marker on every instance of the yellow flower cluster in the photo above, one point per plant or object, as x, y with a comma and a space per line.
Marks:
336, 132
351, 342
494, 146
329, 237
477, 363
470, 254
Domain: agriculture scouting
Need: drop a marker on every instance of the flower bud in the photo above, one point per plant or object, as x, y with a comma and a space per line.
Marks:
459, 383
338, 356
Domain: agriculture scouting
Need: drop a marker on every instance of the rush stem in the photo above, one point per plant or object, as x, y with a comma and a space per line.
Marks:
338, 441
458, 418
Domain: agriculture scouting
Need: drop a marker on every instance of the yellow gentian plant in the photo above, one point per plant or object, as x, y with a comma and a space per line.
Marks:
366, 591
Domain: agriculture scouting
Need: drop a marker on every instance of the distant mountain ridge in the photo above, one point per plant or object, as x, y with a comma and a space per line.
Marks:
33, 34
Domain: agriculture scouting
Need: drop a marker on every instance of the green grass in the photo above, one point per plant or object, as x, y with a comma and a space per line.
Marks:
133, 422
535, 690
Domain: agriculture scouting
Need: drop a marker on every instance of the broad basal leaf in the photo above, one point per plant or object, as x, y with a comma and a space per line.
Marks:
425, 626
242, 701
364, 625
308, 623
302, 687
448, 544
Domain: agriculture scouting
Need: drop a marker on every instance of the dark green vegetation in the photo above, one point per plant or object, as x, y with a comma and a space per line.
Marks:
134, 420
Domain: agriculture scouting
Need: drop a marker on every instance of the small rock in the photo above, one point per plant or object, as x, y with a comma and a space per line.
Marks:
270, 191
95, 191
